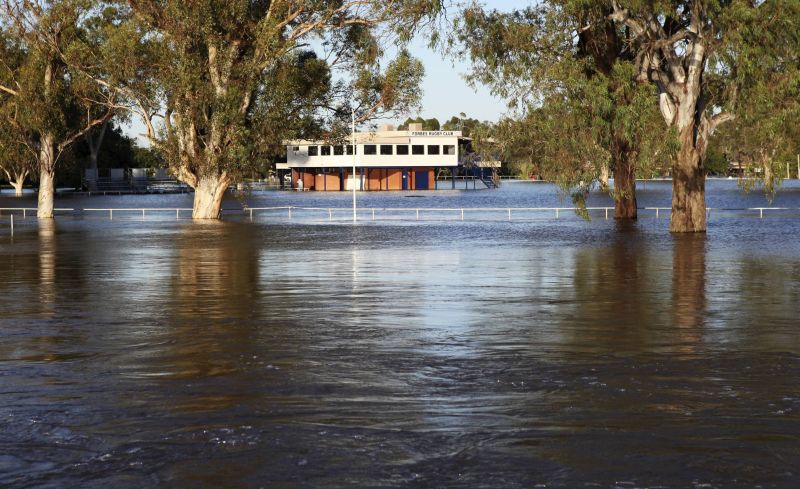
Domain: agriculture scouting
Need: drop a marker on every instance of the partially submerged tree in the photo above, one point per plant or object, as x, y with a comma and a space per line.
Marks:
764, 139
699, 55
54, 105
566, 70
221, 79
17, 157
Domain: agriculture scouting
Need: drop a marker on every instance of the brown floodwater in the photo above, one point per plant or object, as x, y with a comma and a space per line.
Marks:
548, 353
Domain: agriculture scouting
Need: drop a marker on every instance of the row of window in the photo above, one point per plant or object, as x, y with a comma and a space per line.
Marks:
385, 149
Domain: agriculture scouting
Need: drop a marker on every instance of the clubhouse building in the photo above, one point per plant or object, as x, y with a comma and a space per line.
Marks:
387, 159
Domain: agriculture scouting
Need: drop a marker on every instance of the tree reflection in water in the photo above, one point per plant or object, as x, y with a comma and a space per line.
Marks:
689, 289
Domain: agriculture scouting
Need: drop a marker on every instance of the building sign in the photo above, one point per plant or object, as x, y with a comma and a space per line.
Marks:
433, 133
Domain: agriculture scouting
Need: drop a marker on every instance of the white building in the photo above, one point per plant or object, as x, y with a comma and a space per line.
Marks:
385, 160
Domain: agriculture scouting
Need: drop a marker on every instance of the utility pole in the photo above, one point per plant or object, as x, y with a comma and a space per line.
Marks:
353, 137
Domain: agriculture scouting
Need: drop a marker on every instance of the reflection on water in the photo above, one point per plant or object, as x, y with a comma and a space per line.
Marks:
47, 265
689, 288
450, 355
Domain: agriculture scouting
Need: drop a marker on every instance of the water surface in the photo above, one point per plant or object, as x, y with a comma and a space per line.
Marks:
557, 353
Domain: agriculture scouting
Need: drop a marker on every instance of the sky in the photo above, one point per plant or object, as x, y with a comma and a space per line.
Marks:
445, 92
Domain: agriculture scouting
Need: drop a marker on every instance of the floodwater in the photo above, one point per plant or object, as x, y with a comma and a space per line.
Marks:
543, 353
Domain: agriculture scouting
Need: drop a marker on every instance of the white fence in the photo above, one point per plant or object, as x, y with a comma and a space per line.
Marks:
280, 213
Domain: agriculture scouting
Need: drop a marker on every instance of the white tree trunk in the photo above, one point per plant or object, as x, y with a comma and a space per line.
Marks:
47, 177
604, 175
208, 194
18, 181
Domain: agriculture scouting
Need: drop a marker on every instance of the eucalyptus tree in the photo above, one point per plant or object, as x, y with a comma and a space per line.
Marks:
700, 55
17, 154
566, 71
215, 82
695, 57
17, 157
51, 104
765, 135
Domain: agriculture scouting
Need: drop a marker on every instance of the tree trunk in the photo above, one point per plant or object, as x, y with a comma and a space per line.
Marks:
603, 178
625, 206
47, 177
18, 181
208, 194
94, 145
689, 185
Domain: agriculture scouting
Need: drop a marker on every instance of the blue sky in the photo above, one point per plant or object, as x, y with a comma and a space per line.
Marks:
446, 93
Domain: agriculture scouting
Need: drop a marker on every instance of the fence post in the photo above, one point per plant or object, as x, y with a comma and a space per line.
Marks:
761, 212
330, 214
509, 213
290, 212
417, 214
111, 214
373, 214
556, 212
24, 213
606, 213
177, 214
12, 224
142, 214
251, 214
656, 212
462, 214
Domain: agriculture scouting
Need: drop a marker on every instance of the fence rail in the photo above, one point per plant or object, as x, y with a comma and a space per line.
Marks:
397, 213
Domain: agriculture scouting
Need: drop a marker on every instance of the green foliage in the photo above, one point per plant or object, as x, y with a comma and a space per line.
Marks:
578, 108
431, 124
716, 160
44, 97
235, 79
765, 134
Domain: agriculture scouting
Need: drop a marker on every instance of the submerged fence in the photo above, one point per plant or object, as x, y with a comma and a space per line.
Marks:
315, 214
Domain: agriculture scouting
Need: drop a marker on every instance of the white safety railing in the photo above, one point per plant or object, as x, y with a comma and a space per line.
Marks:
25, 211
397, 213
721, 211
426, 213
142, 210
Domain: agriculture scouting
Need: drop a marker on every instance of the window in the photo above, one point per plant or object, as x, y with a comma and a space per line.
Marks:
349, 149
433, 149
402, 149
338, 150
326, 150
295, 148
386, 149
417, 149
449, 149
370, 149
313, 150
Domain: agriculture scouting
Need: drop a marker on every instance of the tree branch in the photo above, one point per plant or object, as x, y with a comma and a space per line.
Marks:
10, 91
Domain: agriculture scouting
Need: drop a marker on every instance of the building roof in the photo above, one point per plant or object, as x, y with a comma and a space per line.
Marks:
378, 137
